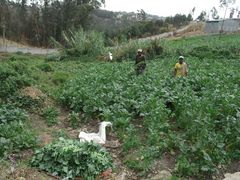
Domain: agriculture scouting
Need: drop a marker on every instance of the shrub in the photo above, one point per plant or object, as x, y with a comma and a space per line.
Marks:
19, 53
20, 67
202, 51
12, 58
53, 57
74, 119
45, 67
126, 51
12, 79
60, 77
71, 159
80, 42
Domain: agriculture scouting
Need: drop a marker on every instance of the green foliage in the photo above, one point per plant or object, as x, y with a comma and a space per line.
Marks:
5, 146
12, 58
142, 159
13, 76
145, 28
25, 102
205, 47
60, 133
192, 116
151, 48
15, 136
178, 20
50, 114
35, 30
10, 113
53, 57
80, 42
196, 117
60, 77
132, 140
206, 51
74, 119
45, 67
71, 159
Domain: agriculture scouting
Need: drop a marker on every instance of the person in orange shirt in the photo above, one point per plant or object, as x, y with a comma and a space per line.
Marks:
181, 68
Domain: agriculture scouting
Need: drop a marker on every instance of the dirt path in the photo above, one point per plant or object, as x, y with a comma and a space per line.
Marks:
13, 47
194, 28
25, 49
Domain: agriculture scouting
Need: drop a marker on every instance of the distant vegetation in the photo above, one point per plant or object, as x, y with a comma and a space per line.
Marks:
145, 28
36, 23
121, 26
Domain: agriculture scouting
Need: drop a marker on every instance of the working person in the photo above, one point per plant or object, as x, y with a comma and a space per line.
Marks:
180, 68
140, 62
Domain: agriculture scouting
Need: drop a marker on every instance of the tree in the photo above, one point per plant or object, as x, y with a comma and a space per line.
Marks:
22, 12
232, 11
36, 23
214, 13
228, 4
202, 16
189, 17
225, 4
179, 20
4, 15
141, 15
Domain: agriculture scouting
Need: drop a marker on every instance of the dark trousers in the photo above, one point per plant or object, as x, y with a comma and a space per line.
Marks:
140, 68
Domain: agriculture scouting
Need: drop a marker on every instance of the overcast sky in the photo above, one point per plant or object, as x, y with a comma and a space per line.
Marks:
164, 7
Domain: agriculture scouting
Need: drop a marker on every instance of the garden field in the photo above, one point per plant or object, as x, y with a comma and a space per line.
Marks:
191, 123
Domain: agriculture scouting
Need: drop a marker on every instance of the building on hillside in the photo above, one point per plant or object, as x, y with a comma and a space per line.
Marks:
227, 25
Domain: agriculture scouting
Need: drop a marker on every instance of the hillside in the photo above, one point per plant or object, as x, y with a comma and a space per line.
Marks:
103, 20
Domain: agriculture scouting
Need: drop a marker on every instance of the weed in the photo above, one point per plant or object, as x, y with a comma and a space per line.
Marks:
15, 136
74, 119
59, 134
50, 114
45, 67
60, 78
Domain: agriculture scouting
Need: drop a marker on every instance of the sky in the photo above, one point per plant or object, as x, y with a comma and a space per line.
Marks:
165, 7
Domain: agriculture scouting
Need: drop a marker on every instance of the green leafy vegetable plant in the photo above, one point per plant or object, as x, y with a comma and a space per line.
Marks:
71, 159
50, 114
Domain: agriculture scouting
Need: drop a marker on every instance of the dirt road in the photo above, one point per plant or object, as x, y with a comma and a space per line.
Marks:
11, 47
